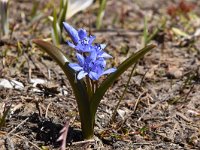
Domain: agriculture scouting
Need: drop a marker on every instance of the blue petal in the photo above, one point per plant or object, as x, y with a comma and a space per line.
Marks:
105, 55
70, 44
75, 66
82, 34
72, 32
89, 61
111, 70
91, 39
81, 59
90, 48
93, 55
80, 48
98, 69
99, 47
81, 75
93, 76
83, 48
100, 62
102, 46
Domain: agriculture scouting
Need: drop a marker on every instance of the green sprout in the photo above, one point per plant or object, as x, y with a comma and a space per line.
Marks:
4, 115
4, 17
148, 37
57, 20
101, 11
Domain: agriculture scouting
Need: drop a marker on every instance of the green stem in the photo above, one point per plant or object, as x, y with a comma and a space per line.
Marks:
93, 86
89, 88
96, 85
87, 124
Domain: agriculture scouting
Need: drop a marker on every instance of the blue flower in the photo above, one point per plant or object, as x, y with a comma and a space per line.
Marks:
98, 51
81, 41
72, 32
87, 66
98, 69
91, 58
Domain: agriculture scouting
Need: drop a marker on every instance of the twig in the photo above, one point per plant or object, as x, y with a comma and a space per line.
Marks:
29, 68
148, 110
163, 136
137, 101
46, 114
24, 138
83, 142
20, 137
183, 117
191, 88
143, 77
171, 136
18, 126
142, 143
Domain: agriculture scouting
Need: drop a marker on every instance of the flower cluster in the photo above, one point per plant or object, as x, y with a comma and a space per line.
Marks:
91, 57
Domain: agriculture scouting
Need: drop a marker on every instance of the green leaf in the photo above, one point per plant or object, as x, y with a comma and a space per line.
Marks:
35, 8
98, 95
61, 5
179, 32
78, 86
148, 37
56, 32
62, 13
100, 13
5, 114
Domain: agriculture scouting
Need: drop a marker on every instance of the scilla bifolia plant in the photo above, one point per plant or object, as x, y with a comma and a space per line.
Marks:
84, 75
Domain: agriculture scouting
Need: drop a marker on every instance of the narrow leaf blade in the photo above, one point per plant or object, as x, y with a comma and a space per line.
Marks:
63, 61
53, 51
100, 13
62, 13
56, 32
